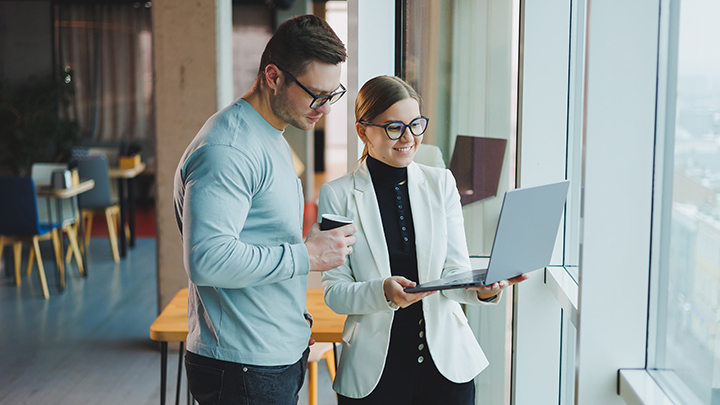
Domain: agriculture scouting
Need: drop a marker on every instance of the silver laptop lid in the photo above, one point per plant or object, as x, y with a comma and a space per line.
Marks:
527, 229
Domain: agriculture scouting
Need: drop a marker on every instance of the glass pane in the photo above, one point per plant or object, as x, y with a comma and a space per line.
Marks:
462, 57
574, 136
688, 343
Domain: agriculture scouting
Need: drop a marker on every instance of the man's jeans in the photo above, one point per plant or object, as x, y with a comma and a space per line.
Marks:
218, 382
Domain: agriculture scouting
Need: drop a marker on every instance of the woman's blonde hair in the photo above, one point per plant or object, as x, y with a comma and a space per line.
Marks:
377, 95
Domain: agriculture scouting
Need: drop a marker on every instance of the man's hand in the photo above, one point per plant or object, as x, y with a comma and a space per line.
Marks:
394, 291
328, 249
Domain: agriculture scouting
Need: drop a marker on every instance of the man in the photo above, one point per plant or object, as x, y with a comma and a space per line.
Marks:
239, 206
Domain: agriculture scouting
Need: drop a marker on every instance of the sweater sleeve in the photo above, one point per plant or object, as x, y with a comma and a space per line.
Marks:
219, 183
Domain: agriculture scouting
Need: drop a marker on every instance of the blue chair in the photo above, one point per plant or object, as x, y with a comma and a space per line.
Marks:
99, 200
19, 222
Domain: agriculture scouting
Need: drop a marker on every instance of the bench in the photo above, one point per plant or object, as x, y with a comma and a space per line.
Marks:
171, 326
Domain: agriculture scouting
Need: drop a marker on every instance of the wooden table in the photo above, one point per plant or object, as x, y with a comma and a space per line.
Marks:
126, 177
47, 191
171, 326
327, 325
58, 194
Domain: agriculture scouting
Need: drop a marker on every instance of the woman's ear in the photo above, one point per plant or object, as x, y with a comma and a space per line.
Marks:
360, 129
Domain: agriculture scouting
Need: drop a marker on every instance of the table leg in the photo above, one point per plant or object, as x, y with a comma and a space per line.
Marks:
163, 371
123, 217
179, 379
58, 282
131, 210
61, 239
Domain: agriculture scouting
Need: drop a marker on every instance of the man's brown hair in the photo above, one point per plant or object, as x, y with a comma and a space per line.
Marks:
299, 41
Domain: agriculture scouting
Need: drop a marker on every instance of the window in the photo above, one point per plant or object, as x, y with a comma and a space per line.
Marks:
106, 49
462, 57
685, 352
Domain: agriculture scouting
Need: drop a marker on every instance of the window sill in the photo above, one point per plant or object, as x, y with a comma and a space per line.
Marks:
565, 290
637, 387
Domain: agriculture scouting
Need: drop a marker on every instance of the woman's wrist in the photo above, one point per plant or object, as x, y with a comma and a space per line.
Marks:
486, 299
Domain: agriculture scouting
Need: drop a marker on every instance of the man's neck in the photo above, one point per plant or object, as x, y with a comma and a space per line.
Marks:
259, 98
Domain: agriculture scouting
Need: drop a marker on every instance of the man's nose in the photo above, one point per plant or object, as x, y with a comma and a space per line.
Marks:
325, 108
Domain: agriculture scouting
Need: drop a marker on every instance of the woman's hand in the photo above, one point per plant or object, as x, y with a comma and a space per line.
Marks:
394, 291
494, 289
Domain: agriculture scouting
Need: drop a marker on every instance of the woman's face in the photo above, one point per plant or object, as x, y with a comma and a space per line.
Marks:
399, 152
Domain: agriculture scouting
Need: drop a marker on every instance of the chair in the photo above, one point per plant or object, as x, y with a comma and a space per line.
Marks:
19, 222
99, 200
319, 351
17, 251
41, 174
429, 155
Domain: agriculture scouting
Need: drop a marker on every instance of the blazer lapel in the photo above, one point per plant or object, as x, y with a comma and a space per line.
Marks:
369, 218
422, 214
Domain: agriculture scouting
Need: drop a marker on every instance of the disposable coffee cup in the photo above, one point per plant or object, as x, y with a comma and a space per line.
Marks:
332, 221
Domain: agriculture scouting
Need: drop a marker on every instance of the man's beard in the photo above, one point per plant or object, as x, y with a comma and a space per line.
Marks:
282, 109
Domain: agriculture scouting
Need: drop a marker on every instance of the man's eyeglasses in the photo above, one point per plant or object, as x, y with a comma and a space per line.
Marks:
318, 101
396, 129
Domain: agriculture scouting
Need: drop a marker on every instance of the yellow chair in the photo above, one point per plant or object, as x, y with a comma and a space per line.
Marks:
17, 251
98, 201
319, 351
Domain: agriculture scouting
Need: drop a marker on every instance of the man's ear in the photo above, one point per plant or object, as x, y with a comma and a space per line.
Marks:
272, 76
360, 129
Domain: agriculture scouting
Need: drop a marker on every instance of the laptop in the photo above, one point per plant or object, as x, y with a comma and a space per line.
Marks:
524, 238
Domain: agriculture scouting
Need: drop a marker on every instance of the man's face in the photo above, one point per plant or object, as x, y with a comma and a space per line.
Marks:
291, 104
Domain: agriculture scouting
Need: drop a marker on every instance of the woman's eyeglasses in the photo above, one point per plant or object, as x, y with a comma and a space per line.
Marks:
396, 129
318, 101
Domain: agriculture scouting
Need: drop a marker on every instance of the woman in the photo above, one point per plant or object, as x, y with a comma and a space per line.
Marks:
398, 350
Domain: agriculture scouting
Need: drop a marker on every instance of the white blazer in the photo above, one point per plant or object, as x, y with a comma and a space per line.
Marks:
355, 288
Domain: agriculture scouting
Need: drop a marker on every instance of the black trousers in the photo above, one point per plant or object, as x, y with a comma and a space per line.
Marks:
423, 385
218, 382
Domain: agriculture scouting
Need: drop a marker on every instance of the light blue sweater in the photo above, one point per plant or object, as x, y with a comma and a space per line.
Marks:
239, 206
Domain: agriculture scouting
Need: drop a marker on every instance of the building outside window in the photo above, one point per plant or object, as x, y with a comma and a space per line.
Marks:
685, 351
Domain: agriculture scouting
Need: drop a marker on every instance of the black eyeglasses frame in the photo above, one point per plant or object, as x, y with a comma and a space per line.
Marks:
326, 97
404, 126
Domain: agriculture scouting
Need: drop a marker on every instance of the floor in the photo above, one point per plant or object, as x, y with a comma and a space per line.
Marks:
90, 344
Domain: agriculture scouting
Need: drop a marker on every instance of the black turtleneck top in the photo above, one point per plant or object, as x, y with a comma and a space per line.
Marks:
390, 184
407, 337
